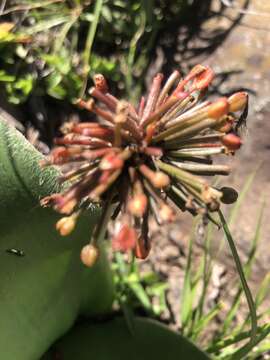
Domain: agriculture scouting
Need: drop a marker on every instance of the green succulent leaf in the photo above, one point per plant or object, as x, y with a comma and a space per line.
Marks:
112, 340
43, 291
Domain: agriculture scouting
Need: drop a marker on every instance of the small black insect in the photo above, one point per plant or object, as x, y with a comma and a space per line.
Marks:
16, 252
242, 122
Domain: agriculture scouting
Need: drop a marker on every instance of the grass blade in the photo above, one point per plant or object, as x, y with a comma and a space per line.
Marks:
186, 298
247, 347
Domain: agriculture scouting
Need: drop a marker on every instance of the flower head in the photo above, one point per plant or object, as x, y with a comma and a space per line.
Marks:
140, 161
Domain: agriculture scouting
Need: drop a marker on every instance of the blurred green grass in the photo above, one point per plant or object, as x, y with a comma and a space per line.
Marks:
54, 47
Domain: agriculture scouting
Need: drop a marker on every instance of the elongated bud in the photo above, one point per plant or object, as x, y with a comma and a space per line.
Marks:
66, 225
97, 131
125, 239
204, 79
238, 101
89, 255
231, 141
229, 195
137, 205
142, 249
218, 109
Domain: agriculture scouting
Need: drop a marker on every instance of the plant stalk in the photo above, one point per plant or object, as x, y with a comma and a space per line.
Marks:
252, 308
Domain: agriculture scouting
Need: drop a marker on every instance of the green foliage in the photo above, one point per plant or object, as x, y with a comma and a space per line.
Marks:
43, 291
113, 340
54, 47
137, 290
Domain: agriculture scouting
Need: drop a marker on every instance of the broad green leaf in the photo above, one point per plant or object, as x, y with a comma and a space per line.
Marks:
112, 340
42, 292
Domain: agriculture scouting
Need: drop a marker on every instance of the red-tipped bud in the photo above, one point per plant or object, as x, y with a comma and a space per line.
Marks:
218, 109
204, 79
142, 249
66, 225
231, 141
101, 83
166, 213
111, 162
125, 239
89, 255
137, 205
238, 101
76, 139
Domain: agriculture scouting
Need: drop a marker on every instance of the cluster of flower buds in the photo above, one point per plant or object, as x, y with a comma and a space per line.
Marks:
141, 162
